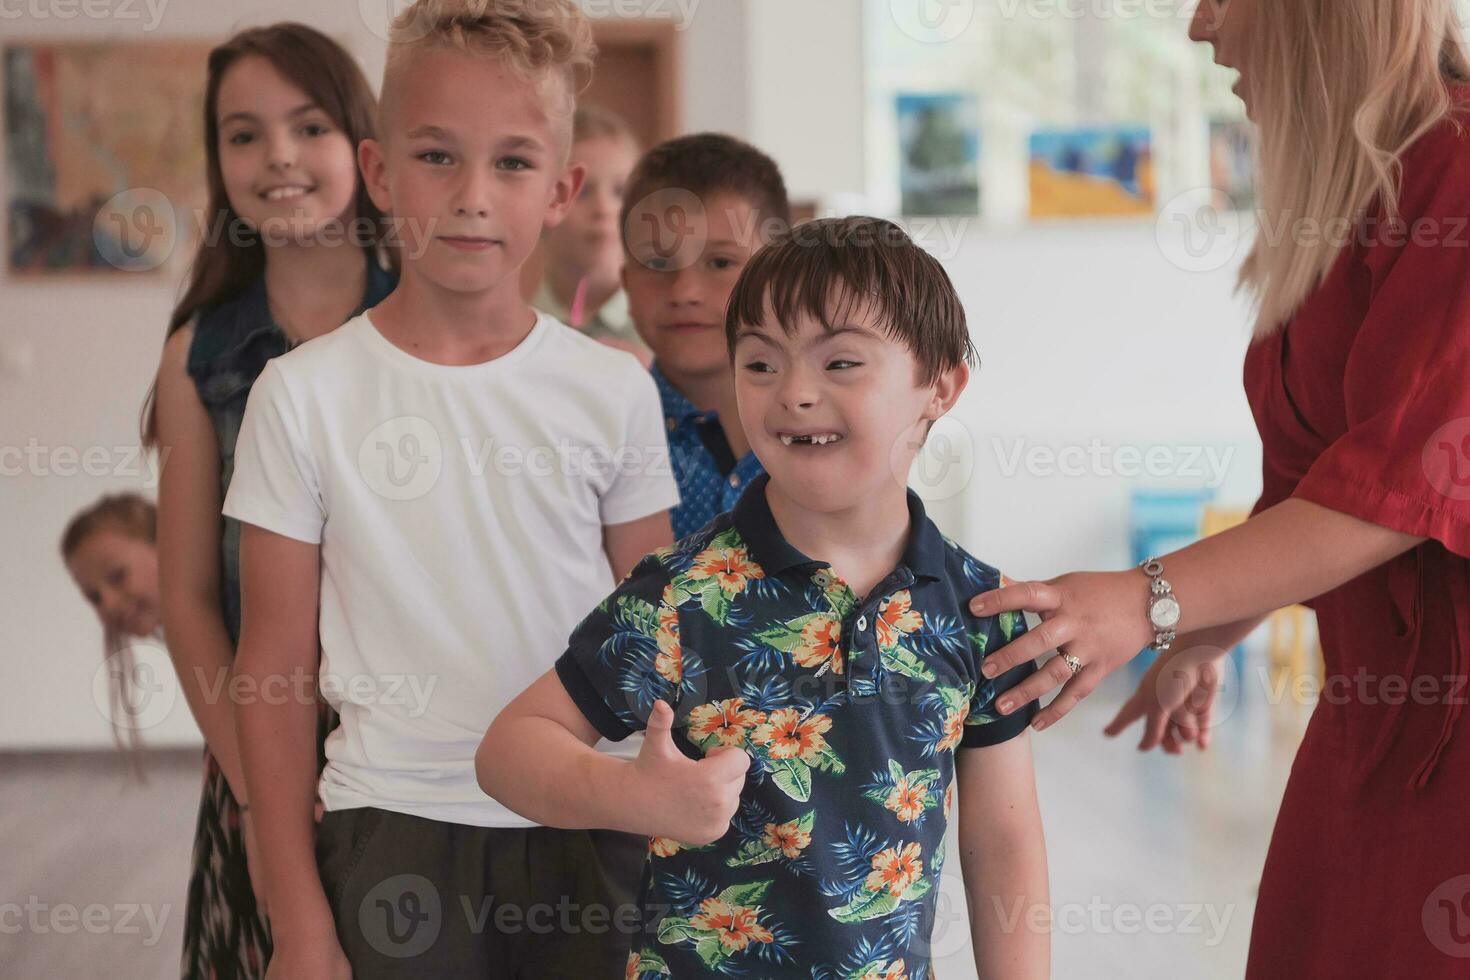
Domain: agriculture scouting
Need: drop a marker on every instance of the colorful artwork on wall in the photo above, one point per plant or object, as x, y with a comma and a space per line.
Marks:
105, 155
939, 169
1092, 171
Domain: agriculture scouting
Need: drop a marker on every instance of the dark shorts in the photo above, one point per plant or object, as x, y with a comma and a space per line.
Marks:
421, 898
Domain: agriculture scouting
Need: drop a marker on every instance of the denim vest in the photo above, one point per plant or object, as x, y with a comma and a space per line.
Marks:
232, 342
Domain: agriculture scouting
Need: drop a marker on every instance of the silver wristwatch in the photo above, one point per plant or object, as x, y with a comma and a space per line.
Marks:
1163, 607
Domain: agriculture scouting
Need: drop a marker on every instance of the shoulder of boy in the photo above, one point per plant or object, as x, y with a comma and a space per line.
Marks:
632, 602
605, 356
969, 571
971, 576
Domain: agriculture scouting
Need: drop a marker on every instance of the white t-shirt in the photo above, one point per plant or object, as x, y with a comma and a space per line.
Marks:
459, 510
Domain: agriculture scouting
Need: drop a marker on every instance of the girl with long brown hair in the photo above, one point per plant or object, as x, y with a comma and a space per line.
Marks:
293, 248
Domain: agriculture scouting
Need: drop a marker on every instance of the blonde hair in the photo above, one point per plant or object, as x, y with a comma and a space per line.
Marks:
134, 517
1339, 89
543, 40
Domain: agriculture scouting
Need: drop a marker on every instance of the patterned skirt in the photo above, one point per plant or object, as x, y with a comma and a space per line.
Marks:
225, 936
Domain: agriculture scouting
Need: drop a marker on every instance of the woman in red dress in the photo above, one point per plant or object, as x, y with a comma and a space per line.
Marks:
1359, 380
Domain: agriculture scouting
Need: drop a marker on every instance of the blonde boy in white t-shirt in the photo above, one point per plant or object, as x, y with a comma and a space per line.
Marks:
436, 492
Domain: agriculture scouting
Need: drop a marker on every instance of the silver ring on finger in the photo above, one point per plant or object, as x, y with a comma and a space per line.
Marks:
1073, 664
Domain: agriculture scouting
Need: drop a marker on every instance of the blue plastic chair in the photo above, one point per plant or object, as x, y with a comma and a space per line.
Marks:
1161, 521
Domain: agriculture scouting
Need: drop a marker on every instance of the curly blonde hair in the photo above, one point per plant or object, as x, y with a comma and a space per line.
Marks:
543, 40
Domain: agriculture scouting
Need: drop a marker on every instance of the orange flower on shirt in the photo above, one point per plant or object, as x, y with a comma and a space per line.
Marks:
731, 567
736, 925
897, 619
821, 641
895, 870
787, 837
907, 801
664, 847
727, 722
786, 736
954, 730
670, 660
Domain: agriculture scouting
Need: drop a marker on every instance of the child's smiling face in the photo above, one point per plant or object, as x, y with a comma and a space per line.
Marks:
287, 168
471, 166
836, 415
118, 575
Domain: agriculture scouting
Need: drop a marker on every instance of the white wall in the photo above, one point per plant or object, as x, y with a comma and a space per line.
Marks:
806, 92
1085, 330
1093, 345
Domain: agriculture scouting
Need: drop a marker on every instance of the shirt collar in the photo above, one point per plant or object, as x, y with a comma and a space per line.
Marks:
923, 555
677, 408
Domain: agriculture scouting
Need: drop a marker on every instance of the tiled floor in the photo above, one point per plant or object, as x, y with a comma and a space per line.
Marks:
1154, 860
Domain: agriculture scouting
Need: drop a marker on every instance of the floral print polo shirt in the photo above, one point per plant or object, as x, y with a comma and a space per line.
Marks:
851, 711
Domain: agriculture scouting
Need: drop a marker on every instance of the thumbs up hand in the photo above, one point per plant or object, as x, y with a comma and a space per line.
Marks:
690, 800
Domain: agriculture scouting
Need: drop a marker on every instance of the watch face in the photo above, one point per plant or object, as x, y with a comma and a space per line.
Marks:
1164, 613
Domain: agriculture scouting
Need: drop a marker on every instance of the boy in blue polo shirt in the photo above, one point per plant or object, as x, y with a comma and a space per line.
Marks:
807, 718
695, 210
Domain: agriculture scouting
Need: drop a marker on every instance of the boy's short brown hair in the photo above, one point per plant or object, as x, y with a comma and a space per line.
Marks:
544, 40
595, 122
834, 267
706, 164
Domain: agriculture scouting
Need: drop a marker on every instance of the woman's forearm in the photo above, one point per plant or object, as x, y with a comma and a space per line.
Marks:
1219, 639
202, 657
1292, 552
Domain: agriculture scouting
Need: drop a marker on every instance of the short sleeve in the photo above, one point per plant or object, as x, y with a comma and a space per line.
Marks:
1404, 460
984, 725
625, 654
275, 484
643, 482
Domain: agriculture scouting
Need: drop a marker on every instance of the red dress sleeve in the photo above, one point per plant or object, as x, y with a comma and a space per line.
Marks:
1404, 460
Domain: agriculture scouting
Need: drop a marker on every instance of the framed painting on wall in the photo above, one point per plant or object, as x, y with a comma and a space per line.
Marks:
104, 155
1092, 171
939, 154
